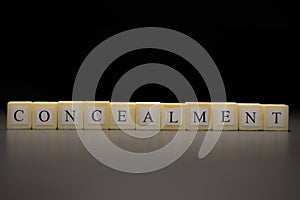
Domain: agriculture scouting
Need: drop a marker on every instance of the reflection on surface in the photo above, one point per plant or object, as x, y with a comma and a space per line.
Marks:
251, 143
242, 165
234, 143
139, 145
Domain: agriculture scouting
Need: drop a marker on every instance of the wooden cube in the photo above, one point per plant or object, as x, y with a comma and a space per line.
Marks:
19, 115
225, 116
44, 115
275, 117
122, 115
173, 116
70, 114
250, 116
198, 116
147, 116
96, 114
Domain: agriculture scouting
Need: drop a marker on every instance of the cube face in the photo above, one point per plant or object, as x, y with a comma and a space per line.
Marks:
148, 116
44, 115
275, 117
198, 116
19, 115
122, 115
96, 114
250, 116
225, 116
173, 116
70, 115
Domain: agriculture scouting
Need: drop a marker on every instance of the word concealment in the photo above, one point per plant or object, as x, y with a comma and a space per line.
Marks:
146, 115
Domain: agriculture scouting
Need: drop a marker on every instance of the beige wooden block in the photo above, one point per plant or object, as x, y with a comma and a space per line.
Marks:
122, 115
96, 114
70, 114
198, 116
19, 115
225, 116
250, 116
147, 116
44, 115
275, 117
173, 116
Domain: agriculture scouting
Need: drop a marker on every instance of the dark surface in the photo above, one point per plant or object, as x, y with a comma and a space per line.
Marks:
243, 165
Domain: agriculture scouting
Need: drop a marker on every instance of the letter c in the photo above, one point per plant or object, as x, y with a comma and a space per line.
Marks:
15, 115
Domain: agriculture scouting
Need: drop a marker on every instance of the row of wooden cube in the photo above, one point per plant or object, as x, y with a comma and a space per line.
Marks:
146, 116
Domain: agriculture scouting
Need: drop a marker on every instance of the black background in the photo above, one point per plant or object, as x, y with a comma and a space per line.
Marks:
253, 45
